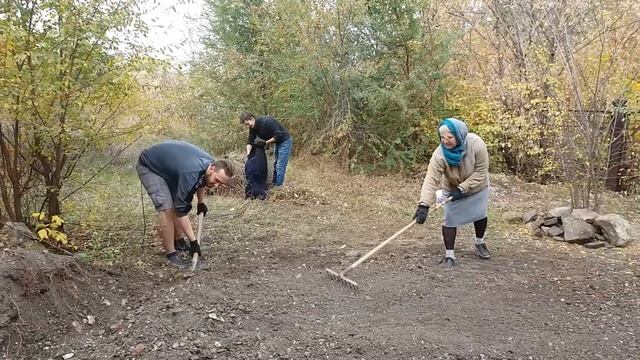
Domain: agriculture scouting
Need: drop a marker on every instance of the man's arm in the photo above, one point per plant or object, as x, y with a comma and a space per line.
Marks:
275, 128
251, 139
200, 194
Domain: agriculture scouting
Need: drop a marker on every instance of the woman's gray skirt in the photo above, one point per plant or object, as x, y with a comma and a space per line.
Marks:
466, 210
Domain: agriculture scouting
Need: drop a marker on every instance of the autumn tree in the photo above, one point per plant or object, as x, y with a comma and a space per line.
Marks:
67, 76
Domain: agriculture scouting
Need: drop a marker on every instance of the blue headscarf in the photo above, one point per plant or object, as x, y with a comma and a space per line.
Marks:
459, 130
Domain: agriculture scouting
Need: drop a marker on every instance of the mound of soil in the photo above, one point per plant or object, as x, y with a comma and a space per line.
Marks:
43, 297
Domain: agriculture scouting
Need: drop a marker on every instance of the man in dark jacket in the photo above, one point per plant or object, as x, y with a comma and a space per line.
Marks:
255, 172
267, 127
171, 173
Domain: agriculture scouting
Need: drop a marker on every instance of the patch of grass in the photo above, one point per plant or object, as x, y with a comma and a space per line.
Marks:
322, 206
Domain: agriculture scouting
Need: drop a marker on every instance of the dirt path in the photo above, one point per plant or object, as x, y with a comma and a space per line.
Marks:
264, 296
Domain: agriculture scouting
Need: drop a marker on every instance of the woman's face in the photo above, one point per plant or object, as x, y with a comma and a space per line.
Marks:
446, 137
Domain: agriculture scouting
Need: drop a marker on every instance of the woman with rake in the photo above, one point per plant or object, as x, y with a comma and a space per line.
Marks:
460, 168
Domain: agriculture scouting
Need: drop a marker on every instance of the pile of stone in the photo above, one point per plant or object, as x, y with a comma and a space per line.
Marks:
579, 226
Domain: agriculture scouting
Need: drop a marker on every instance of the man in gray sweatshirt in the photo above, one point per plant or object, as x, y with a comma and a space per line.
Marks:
171, 173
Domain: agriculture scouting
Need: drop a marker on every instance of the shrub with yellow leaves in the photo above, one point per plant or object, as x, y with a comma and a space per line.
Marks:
51, 230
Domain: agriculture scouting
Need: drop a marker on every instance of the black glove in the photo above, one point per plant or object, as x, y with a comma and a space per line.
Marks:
195, 248
260, 143
421, 214
202, 208
456, 195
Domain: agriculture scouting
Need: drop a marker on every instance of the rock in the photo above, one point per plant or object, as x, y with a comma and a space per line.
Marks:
577, 230
117, 326
534, 229
216, 317
512, 217
552, 221
78, 326
594, 244
353, 254
600, 237
559, 212
138, 349
530, 216
18, 231
587, 215
552, 231
616, 229
558, 238
91, 320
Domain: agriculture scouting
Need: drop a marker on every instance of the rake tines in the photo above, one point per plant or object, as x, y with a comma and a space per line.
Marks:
339, 277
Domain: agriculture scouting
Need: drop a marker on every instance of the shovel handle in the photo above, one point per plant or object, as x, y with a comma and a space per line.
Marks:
194, 259
382, 244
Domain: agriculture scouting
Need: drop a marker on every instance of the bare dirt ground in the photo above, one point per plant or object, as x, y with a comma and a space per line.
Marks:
263, 293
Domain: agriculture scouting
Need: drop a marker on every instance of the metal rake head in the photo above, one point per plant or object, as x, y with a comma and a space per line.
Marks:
342, 279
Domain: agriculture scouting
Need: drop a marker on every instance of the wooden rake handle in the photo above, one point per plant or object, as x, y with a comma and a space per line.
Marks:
384, 243
194, 259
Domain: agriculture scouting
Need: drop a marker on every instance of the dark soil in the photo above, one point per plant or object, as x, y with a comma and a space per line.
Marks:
263, 294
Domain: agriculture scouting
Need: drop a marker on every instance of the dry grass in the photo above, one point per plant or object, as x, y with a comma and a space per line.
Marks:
322, 206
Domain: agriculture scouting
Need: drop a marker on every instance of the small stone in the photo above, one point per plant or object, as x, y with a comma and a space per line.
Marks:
68, 356
91, 320
552, 231
117, 326
138, 349
217, 344
600, 237
530, 216
534, 229
106, 302
559, 211
587, 215
216, 317
594, 244
353, 254
78, 326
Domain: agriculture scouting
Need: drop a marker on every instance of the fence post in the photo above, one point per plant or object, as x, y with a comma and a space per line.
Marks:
618, 146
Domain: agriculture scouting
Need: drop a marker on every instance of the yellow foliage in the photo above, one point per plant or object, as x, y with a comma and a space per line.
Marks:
43, 234
49, 230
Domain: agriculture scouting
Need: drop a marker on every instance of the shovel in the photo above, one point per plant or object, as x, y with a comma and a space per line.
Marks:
194, 259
